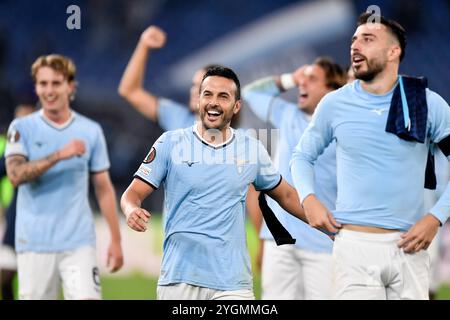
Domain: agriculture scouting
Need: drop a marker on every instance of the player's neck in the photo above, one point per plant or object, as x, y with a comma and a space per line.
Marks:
382, 83
214, 136
59, 116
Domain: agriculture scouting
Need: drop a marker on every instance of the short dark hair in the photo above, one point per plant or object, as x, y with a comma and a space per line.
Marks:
393, 26
221, 71
335, 76
209, 66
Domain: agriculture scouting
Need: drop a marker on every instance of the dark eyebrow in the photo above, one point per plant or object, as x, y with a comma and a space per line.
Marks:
364, 35
368, 35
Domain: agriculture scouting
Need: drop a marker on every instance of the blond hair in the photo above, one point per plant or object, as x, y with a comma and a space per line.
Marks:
58, 63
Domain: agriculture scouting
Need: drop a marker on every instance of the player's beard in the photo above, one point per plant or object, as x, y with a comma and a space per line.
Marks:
374, 67
221, 125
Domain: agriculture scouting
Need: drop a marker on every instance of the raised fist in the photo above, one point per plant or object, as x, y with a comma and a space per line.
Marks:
153, 37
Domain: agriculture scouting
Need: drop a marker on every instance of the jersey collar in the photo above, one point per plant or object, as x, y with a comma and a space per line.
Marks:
222, 145
55, 125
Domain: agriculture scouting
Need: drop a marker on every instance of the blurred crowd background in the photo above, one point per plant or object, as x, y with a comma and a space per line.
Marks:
254, 37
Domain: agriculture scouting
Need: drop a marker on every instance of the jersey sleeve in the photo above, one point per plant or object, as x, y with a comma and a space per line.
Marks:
172, 115
262, 98
267, 177
439, 118
154, 167
16, 140
317, 136
99, 160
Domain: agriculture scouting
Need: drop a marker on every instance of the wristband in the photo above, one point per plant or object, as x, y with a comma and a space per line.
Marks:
287, 81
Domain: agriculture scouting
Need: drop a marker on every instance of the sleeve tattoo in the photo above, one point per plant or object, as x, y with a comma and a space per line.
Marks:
20, 170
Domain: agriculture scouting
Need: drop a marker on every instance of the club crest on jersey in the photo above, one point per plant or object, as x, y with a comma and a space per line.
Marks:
150, 156
240, 164
13, 136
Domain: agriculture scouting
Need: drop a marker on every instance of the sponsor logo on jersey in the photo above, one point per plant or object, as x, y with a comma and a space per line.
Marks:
190, 163
379, 111
144, 171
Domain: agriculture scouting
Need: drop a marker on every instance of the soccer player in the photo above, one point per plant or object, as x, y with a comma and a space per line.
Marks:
303, 270
206, 170
169, 114
380, 249
8, 263
50, 155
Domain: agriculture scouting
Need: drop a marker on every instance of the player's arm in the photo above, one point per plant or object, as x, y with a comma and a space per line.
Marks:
261, 95
107, 201
131, 202
149, 176
420, 235
313, 142
131, 84
20, 170
287, 198
274, 85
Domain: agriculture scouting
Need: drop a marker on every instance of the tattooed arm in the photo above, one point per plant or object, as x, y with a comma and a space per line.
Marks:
20, 170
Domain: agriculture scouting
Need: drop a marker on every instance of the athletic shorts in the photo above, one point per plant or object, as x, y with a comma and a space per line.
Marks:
41, 275
370, 266
184, 291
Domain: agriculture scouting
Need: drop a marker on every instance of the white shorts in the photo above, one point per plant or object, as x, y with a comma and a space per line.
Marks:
8, 258
291, 273
41, 274
370, 266
184, 291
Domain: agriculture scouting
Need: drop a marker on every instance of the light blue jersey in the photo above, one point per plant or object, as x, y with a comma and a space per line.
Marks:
205, 192
292, 122
380, 176
53, 212
172, 115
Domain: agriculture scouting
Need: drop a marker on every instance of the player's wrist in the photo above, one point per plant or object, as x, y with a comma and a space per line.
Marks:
143, 46
309, 201
287, 81
435, 220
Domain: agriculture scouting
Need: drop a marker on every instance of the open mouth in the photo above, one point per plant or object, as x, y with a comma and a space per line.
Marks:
50, 99
357, 60
303, 96
213, 114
